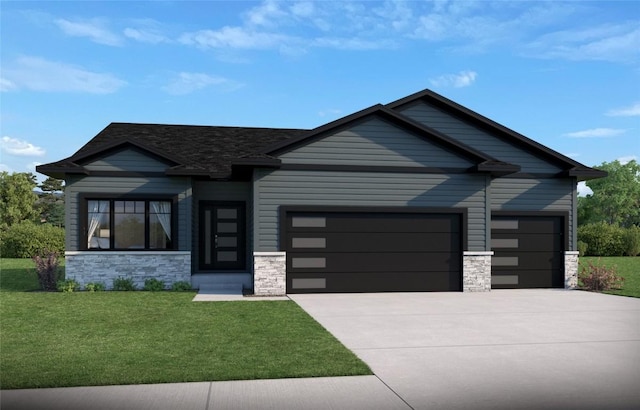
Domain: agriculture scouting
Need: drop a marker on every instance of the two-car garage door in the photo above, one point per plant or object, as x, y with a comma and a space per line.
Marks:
372, 251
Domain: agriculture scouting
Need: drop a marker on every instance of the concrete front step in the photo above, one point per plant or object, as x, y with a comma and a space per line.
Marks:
221, 289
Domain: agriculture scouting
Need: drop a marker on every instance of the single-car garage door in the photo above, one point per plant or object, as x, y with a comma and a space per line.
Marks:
372, 251
528, 251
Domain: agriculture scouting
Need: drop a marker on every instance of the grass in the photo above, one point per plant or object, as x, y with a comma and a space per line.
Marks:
627, 266
54, 339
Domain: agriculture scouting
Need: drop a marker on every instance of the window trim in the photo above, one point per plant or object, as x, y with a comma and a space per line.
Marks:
83, 216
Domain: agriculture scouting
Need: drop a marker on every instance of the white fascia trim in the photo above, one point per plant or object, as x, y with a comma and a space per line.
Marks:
572, 253
269, 253
139, 253
477, 253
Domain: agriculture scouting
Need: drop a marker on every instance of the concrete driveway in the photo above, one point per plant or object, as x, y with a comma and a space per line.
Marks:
506, 349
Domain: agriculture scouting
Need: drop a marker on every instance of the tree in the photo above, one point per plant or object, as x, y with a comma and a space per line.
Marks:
16, 198
50, 203
615, 199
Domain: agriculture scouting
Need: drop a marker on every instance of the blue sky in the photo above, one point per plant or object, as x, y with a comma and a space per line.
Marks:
566, 74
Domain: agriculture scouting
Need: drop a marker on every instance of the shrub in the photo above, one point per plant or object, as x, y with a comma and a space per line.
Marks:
95, 287
153, 285
582, 248
597, 277
27, 239
181, 286
602, 239
47, 268
125, 284
67, 286
631, 241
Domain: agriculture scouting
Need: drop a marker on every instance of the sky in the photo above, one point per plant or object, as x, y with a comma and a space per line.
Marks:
566, 74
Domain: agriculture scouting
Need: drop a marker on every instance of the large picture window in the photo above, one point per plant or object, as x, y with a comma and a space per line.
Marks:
129, 224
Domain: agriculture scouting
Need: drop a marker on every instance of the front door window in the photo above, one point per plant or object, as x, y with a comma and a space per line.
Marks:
222, 236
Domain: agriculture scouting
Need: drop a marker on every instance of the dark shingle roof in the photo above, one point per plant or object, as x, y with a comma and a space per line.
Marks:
193, 150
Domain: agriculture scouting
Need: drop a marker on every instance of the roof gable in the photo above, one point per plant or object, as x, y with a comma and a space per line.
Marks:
481, 161
374, 141
568, 166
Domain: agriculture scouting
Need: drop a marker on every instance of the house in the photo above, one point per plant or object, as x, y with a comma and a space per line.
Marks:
421, 194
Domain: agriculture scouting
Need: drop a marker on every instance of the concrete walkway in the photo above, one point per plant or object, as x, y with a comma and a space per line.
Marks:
511, 349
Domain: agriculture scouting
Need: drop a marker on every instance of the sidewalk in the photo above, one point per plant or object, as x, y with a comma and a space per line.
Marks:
353, 392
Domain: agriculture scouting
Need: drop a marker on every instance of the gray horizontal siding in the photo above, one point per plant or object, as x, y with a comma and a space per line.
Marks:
276, 188
220, 191
127, 160
374, 142
512, 194
476, 138
117, 186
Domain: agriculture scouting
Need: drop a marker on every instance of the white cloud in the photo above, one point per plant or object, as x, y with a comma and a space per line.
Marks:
462, 79
15, 146
145, 36
94, 29
146, 31
631, 111
626, 159
6, 85
5, 168
185, 83
583, 189
266, 15
234, 37
607, 42
595, 133
38, 74
329, 112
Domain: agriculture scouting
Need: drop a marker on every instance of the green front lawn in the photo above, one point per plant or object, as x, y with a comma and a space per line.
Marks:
627, 266
106, 338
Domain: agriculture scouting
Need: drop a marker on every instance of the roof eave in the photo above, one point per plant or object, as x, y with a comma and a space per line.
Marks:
584, 173
497, 169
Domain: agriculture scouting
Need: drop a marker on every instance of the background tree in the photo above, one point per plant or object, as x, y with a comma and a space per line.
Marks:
615, 199
17, 198
50, 203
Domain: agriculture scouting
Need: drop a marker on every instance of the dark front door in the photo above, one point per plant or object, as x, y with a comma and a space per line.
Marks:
222, 236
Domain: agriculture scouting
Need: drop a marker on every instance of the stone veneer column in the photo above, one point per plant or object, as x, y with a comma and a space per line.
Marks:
476, 271
96, 266
571, 269
269, 273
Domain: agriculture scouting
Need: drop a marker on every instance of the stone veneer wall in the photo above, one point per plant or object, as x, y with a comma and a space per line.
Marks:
476, 271
92, 266
571, 269
269, 273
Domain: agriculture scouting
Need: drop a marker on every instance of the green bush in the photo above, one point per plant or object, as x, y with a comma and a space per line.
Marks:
631, 240
582, 248
181, 286
26, 239
125, 284
153, 285
68, 286
602, 239
95, 287
597, 278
